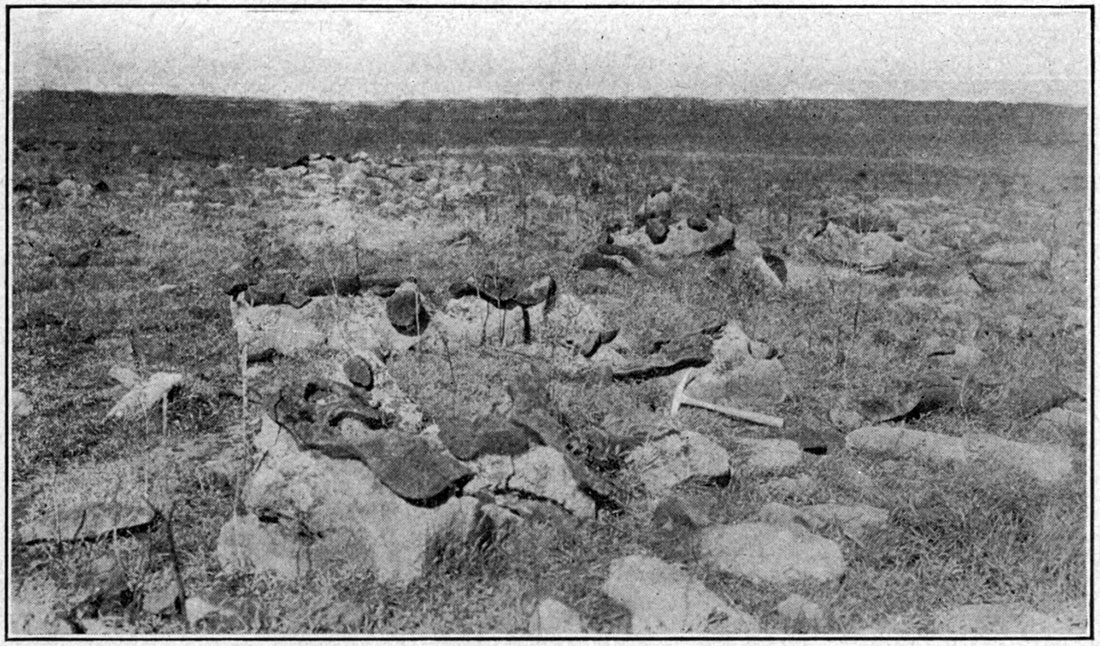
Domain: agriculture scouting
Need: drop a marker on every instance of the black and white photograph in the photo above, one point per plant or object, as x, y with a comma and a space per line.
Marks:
581, 322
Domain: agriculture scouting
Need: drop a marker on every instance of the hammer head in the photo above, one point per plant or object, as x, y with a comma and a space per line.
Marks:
678, 394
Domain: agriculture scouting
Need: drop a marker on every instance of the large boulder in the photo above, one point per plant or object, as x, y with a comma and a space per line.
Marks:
665, 600
310, 512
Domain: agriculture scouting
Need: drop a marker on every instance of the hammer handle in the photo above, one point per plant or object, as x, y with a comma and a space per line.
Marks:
748, 415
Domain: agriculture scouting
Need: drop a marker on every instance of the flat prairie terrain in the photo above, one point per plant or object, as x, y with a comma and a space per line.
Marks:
908, 288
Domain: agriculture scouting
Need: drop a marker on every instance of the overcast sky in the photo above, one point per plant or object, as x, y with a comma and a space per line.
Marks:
383, 55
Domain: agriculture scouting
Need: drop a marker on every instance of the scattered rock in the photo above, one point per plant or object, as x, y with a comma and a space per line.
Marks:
19, 404
161, 594
767, 456
144, 396
852, 519
689, 351
698, 222
80, 522
1008, 619
665, 600
657, 206
1016, 253
656, 230
868, 252
542, 290
552, 617
682, 241
541, 471
678, 457
798, 608
1046, 463
676, 512
359, 372
764, 552
405, 309
1061, 420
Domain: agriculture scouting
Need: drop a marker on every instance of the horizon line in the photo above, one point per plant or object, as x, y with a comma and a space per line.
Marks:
490, 99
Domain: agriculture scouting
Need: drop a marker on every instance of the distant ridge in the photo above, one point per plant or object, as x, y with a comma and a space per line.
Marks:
270, 131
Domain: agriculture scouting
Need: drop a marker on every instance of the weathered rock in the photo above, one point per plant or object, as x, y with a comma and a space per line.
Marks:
552, 617
310, 512
665, 600
682, 241
867, 252
91, 520
1046, 463
764, 552
698, 222
34, 608
798, 608
678, 457
739, 377
357, 325
468, 439
766, 456
144, 396
161, 593
472, 321
544, 289
1008, 619
1059, 419
359, 372
406, 312
19, 404
657, 205
541, 471
853, 519
1016, 253
689, 351
676, 512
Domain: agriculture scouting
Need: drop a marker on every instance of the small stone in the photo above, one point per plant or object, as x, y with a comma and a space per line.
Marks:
359, 372
406, 312
552, 617
656, 230
771, 553
542, 290
19, 404
675, 511
144, 396
798, 608
698, 222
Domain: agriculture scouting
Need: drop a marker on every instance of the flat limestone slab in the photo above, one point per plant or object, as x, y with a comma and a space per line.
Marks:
1046, 463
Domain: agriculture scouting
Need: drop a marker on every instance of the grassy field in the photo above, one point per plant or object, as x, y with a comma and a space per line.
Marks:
187, 203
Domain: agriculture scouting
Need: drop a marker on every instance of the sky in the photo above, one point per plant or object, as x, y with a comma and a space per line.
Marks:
381, 55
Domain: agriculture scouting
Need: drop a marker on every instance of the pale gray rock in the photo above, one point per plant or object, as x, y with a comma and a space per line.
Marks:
552, 617
766, 456
1062, 420
766, 552
1016, 253
665, 600
852, 519
798, 608
330, 514
144, 396
682, 241
678, 457
20, 404
1010, 619
1046, 463
541, 472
